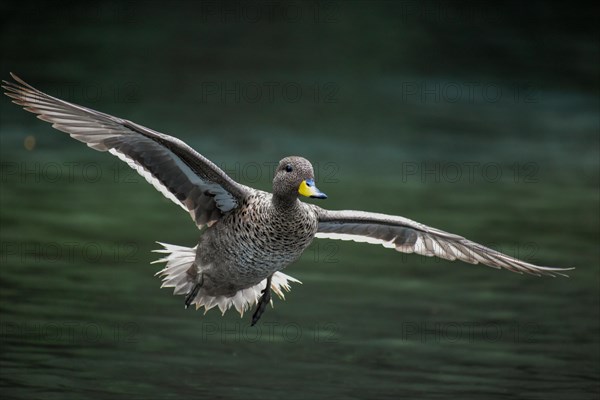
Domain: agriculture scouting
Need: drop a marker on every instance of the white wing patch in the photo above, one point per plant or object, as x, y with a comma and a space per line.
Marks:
357, 238
149, 177
418, 247
424, 245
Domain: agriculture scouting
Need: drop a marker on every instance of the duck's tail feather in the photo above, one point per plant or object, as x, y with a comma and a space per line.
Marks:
179, 275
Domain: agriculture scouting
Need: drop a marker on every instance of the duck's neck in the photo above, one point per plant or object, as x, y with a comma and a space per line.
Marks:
285, 205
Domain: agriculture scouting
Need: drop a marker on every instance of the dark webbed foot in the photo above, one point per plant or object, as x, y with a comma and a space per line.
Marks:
262, 302
192, 294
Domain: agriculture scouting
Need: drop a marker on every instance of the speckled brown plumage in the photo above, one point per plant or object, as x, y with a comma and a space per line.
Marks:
254, 241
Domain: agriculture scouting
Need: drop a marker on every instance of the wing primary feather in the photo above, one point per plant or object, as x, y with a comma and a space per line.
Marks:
176, 170
409, 236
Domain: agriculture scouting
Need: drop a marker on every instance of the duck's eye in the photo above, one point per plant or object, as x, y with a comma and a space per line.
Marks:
288, 168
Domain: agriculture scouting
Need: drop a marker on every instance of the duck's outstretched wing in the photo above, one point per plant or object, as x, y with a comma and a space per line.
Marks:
171, 166
409, 236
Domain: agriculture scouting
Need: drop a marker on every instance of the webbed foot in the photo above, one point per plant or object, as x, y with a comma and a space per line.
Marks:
192, 294
262, 302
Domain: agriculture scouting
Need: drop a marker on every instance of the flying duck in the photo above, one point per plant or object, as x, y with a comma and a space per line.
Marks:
248, 236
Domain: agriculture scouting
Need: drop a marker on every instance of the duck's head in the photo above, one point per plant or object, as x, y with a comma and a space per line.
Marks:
295, 176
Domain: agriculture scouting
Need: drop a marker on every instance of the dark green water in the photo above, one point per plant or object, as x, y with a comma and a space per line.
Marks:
513, 165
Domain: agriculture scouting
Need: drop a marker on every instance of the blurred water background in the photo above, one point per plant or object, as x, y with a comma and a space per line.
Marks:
478, 118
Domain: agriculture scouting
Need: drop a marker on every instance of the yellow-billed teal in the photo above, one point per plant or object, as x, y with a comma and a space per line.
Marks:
249, 235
